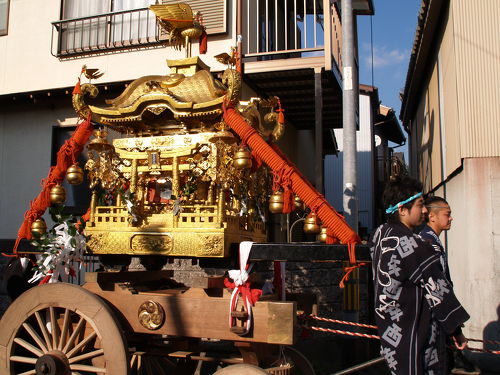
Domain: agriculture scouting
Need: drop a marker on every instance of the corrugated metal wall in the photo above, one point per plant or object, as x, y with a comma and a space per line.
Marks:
448, 88
477, 49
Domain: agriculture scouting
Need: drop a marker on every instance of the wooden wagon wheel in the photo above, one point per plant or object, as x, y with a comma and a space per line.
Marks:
61, 329
302, 366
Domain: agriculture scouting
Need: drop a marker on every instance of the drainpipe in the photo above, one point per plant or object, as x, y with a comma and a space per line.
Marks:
350, 100
350, 105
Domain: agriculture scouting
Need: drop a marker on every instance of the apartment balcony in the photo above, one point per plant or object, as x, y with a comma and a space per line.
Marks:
107, 32
291, 49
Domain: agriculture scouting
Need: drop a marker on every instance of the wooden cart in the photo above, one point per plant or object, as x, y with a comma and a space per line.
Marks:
139, 323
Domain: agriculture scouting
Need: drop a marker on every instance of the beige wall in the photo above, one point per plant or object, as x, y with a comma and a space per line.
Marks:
474, 240
26, 63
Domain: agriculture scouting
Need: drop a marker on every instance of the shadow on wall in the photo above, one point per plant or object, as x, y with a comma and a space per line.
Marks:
426, 154
488, 363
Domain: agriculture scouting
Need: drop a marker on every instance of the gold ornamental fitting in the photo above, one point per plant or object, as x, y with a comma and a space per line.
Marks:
74, 175
57, 194
271, 117
311, 224
242, 159
151, 315
192, 32
252, 208
322, 235
39, 226
276, 202
100, 143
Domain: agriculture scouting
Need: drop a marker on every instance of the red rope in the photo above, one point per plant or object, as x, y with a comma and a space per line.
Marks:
309, 195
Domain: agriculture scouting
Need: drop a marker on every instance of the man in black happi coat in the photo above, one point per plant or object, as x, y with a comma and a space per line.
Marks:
414, 301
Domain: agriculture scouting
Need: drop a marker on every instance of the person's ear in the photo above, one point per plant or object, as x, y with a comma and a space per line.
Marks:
432, 215
402, 211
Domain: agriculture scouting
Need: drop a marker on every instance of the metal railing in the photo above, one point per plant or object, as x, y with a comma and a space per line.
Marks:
106, 32
294, 28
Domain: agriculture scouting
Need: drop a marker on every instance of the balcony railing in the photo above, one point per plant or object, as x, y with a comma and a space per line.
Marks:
106, 32
276, 29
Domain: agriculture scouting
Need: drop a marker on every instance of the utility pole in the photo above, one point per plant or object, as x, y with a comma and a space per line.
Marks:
350, 100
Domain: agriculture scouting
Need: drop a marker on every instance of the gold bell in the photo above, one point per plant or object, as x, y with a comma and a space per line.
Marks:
322, 236
74, 175
100, 143
39, 226
276, 202
242, 159
298, 203
311, 224
57, 195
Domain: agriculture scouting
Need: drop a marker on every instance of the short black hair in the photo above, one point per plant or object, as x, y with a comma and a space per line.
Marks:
431, 201
398, 190
434, 199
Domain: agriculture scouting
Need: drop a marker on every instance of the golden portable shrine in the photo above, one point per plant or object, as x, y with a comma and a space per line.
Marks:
196, 173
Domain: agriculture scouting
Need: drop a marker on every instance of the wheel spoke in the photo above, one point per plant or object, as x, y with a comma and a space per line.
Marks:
132, 360
35, 337
30, 372
43, 328
157, 366
53, 327
81, 344
26, 345
76, 332
64, 332
149, 368
93, 369
88, 355
18, 358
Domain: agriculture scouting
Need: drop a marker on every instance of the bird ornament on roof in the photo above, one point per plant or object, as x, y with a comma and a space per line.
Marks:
182, 25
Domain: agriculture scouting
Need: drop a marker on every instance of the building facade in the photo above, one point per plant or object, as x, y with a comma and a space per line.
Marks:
290, 50
451, 112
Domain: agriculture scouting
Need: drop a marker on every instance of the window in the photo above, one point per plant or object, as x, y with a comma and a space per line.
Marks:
4, 16
103, 24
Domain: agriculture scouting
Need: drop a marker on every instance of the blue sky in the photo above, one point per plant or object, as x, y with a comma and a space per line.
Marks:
394, 25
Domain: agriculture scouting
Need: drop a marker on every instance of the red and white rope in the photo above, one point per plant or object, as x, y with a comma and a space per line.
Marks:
314, 317
357, 334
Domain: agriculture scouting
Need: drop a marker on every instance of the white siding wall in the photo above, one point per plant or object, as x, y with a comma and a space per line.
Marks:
333, 167
26, 63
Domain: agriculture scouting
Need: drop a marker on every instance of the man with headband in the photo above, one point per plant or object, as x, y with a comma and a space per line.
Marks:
438, 219
414, 301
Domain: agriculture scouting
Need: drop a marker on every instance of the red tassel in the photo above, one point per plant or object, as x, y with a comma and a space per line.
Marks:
281, 114
203, 42
287, 200
77, 89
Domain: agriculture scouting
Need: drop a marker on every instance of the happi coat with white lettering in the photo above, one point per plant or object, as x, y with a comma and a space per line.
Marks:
413, 298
